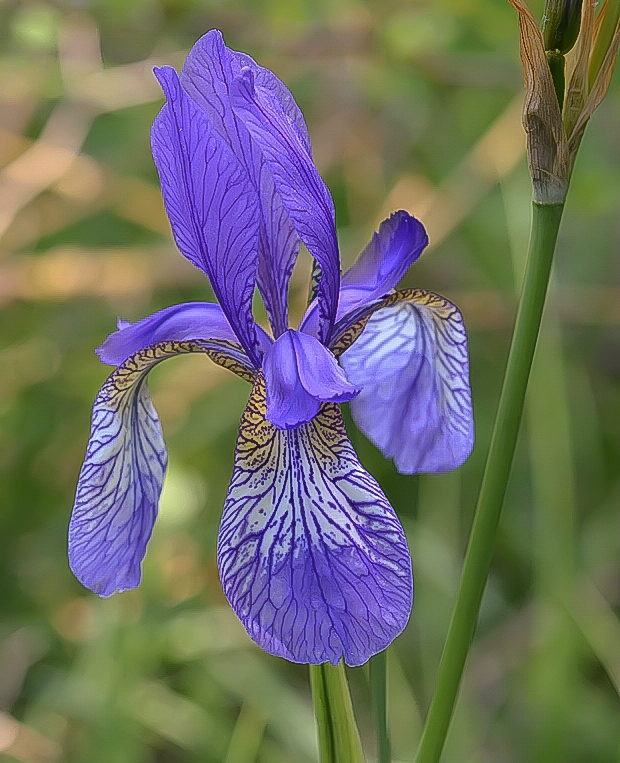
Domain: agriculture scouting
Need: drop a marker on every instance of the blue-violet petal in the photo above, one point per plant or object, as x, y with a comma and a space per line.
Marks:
300, 374
412, 365
121, 478
386, 258
207, 75
304, 194
384, 261
312, 557
189, 320
211, 202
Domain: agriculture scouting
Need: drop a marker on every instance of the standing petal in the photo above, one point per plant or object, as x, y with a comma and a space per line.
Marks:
123, 471
412, 366
207, 75
211, 202
386, 258
312, 556
304, 194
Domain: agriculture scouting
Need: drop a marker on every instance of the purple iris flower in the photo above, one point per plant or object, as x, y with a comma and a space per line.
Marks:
312, 557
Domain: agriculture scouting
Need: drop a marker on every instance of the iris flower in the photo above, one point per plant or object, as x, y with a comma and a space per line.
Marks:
312, 556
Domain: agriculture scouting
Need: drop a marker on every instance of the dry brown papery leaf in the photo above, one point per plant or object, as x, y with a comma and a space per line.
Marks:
577, 90
598, 92
546, 139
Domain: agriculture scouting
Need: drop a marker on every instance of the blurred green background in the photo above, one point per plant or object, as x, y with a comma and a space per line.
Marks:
411, 105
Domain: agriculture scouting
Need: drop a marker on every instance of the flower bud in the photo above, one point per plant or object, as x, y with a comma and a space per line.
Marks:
561, 22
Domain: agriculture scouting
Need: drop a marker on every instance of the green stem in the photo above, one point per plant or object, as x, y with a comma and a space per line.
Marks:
339, 739
556, 65
378, 690
545, 224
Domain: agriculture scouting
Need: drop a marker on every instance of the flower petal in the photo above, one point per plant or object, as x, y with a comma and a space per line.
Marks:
412, 365
268, 81
207, 75
122, 475
190, 320
386, 258
211, 202
300, 374
304, 194
312, 556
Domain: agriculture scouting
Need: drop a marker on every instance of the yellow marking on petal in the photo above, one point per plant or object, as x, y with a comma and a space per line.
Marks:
440, 305
142, 362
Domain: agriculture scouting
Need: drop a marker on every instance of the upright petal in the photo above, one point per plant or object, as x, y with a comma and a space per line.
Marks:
304, 195
208, 72
207, 75
312, 557
300, 374
412, 366
122, 475
267, 80
386, 258
211, 202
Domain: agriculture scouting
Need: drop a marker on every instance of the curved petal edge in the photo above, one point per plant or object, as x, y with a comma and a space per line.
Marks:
207, 75
179, 323
211, 203
397, 244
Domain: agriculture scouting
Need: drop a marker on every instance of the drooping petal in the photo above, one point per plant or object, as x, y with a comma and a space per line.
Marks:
190, 320
412, 365
393, 248
312, 557
207, 75
300, 374
123, 471
304, 194
211, 202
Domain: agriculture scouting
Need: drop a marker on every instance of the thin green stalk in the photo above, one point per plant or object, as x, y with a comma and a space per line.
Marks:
339, 739
545, 224
556, 65
378, 690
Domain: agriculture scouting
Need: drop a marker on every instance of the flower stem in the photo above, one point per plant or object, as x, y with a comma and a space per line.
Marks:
545, 225
556, 65
378, 690
339, 739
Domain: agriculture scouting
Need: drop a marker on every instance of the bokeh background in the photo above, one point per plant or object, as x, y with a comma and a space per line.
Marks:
412, 105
